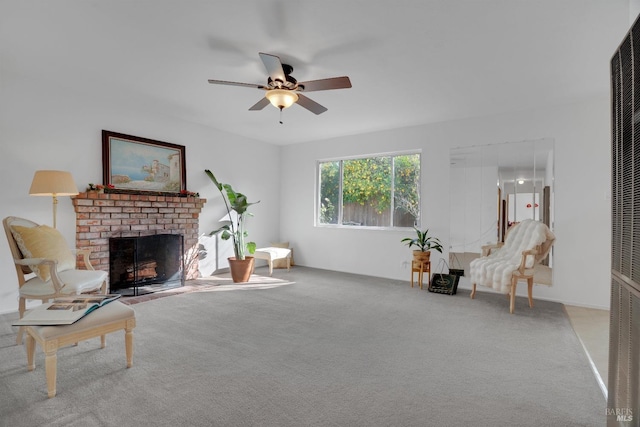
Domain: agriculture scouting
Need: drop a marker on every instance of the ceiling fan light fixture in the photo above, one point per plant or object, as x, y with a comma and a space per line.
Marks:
281, 98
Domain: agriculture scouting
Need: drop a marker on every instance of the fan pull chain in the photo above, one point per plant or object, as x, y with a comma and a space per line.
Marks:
281, 115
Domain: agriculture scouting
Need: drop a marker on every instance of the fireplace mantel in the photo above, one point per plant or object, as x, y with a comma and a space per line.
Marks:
100, 216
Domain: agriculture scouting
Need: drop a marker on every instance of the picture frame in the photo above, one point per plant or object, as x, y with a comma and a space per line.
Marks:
132, 164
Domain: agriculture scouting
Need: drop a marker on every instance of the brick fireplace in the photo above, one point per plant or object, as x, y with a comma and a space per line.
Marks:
100, 216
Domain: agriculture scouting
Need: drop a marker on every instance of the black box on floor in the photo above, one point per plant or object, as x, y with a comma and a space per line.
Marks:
456, 271
444, 283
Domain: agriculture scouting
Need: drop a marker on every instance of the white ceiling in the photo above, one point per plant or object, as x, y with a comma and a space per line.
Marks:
410, 61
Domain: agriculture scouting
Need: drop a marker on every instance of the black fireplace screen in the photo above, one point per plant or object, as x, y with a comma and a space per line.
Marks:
145, 260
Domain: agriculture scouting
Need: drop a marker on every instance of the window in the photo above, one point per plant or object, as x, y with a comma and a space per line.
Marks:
379, 191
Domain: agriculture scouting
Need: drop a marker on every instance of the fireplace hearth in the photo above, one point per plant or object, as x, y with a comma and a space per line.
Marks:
145, 264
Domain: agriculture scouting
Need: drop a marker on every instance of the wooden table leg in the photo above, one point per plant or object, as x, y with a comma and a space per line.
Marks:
427, 264
31, 351
128, 343
51, 368
412, 272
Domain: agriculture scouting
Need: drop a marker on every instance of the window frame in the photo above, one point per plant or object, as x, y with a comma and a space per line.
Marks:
392, 154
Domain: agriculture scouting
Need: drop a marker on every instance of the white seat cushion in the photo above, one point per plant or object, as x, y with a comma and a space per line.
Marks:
75, 282
272, 253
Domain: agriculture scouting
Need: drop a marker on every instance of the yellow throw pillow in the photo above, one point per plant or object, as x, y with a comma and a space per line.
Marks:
44, 242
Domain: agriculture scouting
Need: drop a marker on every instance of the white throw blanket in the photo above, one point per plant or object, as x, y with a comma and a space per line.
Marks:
495, 270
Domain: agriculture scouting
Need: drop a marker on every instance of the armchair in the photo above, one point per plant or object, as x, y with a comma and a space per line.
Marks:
45, 266
502, 266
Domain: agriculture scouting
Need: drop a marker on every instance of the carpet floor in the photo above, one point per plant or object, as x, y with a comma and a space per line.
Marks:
318, 348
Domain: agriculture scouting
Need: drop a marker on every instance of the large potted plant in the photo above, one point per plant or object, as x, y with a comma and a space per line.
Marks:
240, 265
424, 243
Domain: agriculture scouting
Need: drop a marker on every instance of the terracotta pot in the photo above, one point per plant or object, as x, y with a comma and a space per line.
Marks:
241, 269
422, 256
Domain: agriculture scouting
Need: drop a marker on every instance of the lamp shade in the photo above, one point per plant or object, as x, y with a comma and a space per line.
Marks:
281, 98
53, 183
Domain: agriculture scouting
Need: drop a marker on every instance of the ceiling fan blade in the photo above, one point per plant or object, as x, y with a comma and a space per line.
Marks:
326, 84
274, 67
310, 105
260, 104
223, 82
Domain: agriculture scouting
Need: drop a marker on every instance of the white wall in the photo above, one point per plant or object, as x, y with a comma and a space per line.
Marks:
634, 10
372, 252
44, 127
582, 172
47, 127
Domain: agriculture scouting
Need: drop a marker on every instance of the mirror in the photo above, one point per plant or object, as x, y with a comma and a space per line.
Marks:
491, 188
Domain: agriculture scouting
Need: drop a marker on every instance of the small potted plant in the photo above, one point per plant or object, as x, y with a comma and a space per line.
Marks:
241, 265
424, 243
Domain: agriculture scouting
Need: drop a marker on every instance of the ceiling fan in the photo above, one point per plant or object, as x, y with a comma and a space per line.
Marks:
282, 90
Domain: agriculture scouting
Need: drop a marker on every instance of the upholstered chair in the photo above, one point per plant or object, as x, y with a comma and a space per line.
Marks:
501, 267
45, 266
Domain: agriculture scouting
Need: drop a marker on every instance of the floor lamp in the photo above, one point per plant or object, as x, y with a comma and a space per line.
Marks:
54, 184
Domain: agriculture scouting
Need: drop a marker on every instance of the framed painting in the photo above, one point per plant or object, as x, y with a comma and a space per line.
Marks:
133, 164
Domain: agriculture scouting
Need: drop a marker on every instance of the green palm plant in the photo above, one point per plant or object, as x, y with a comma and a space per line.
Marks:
423, 241
238, 203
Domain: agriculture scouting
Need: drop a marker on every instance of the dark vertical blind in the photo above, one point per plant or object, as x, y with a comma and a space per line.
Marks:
624, 332
625, 168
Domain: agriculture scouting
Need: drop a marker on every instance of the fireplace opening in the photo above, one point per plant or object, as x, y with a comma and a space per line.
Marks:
145, 264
